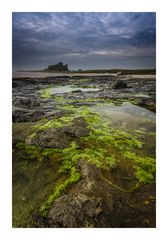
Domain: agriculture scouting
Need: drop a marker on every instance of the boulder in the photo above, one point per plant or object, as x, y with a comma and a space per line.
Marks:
120, 84
69, 211
76, 91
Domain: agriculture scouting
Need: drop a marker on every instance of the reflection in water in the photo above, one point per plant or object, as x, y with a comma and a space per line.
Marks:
69, 88
127, 116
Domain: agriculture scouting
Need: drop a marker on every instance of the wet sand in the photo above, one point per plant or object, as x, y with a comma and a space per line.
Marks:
40, 74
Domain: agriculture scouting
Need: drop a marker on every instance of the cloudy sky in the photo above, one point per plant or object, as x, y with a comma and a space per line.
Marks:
84, 40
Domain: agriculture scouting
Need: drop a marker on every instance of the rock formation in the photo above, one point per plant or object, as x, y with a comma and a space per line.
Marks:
120, 84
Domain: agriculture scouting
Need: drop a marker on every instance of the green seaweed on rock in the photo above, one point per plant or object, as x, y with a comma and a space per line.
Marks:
99, 157
53, 123
36, 153
74, 177
103, 147
69, 168
46, 93
145, 167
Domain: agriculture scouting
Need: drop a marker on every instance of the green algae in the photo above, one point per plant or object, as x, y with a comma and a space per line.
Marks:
145, 167
59, 122
36, 153
121, 140
53, 123
46, 93
118, 141
68, 107
67, 103
46, 124
99, 157
139, 131
90, 117
59, 99
106, 143
74, 177
104, 147
144, 176
69, 168
35, 173
33, 135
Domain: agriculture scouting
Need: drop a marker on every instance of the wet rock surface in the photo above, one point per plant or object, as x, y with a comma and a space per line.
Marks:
28, 105
120, 84
85, 202
60, 137
94, 200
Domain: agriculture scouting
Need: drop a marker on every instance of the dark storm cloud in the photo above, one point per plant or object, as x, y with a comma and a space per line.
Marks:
84, 40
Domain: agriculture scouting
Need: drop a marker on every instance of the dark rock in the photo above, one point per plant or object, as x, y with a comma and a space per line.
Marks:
18, 115
27, 102
148, 103
77, 91
33, 115
60, 137
93, 202
69, 211
88, 204
37, 221
22, 115
120, 84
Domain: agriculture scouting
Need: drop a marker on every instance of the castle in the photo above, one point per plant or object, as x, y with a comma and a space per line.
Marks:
60, 67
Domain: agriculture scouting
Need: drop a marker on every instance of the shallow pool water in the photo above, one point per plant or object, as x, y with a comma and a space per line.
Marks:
137, 121
70, 88
126, 116
141, 95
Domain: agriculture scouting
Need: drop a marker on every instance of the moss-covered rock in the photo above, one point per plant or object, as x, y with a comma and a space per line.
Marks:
56, 134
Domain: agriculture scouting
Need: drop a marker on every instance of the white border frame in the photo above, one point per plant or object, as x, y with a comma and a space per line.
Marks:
9, 6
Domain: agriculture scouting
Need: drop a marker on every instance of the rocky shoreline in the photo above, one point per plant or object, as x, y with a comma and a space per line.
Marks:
84, 152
